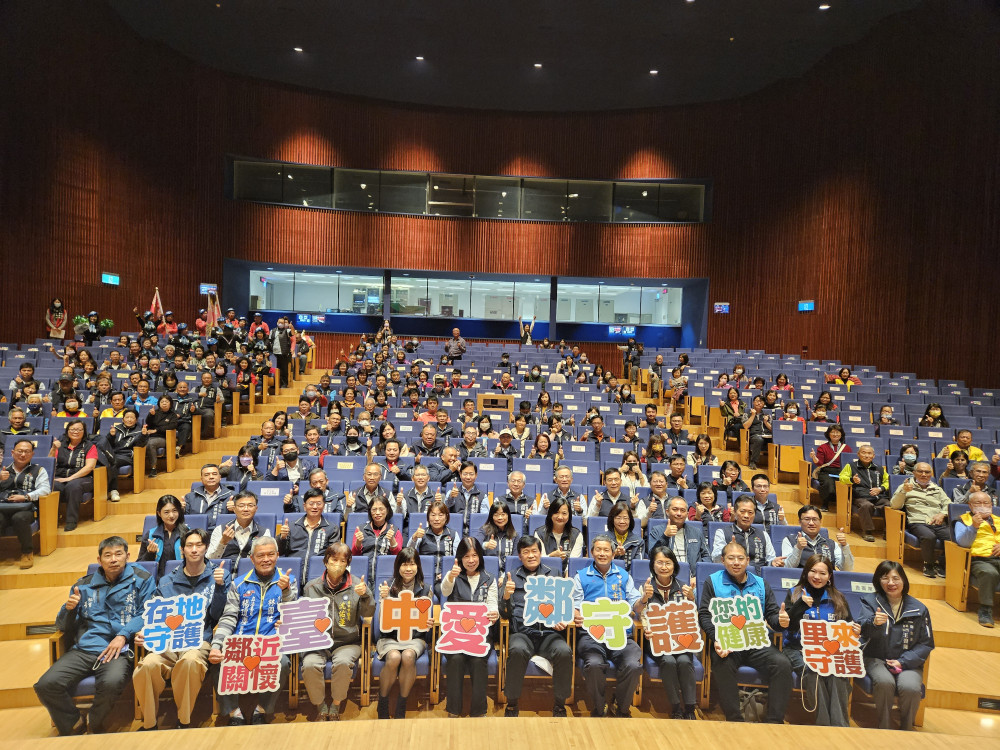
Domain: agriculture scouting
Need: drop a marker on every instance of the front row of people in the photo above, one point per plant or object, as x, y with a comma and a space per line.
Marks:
104, 614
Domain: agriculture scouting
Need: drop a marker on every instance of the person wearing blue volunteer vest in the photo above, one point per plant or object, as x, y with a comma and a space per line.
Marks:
162, 543
815, 597
605, 579
736, 580
897, 639
187, 669
102, 615
252, 609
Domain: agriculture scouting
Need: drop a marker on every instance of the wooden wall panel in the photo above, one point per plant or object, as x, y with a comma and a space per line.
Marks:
869, 185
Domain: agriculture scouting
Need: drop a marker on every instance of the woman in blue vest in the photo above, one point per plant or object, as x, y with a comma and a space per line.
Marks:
676, 670
816, 598
163, 542
498, 535
468, 581
897, 639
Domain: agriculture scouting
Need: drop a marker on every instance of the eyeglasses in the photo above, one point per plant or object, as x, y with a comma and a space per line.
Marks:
246, 506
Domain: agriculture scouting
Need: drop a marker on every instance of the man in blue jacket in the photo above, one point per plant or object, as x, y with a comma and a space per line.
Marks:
252, 609
102, 615
186, 669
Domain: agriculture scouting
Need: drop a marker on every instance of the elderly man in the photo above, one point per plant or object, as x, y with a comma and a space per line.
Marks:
449, 469
869, 488
102, 615
455, 347
564, 489
926, 508
756, 543
211, 499
186, 669
979, 530
22, 485
807, 541
429, 444
517, 502
605, 579
979, 473
736, 580
252, 609
527, 641
687, 542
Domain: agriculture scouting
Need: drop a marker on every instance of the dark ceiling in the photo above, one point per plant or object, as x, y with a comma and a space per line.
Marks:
594, 54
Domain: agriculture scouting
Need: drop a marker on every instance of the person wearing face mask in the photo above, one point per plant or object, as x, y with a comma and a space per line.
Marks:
908, 454
933, 417
534, 375
350, 601
791, 414
979, 531
884, 418
55, 319
291, 467
243, 470
926, 508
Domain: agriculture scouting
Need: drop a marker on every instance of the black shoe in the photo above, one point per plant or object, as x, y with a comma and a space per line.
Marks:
237, 721
511, 710
599, 713
752, 466
261, 718
689, 712
677, 713
151, 473
183, 726
383, 707
401, 707
69, 527
559, 711
929, 571
147, 729
939, 570
986, 617
868, 537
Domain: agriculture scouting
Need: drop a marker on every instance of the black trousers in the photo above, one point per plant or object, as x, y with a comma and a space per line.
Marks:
550, 646
456, 668
55, 688
20, 521
72, 494
770, 662
928, 537
595, 657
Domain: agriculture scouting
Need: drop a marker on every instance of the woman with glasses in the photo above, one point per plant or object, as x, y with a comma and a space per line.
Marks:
897, 638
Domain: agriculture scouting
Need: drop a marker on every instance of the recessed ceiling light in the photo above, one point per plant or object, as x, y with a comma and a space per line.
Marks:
538, 65
420, 58
298, 49
653, 72
824, 6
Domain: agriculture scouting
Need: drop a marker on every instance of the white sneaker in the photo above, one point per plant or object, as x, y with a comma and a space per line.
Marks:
113, 496
177, 452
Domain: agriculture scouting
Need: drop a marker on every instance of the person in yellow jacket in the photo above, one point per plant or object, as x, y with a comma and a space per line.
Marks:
963, 442
979, 530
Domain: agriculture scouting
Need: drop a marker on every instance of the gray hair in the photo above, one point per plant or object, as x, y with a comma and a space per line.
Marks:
263, 541
601, 538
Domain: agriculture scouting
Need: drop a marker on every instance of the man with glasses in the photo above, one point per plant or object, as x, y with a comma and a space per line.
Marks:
186, 669
798, 547
234, 539
926, 508
766, 510
22, 484
756, 543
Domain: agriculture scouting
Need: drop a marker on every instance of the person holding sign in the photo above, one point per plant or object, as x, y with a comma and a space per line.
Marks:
102, 614
605, 634
400, 656
252, 609
897, 639
815, 597
530, 634
735, 606
468, 581
676, 669
186, 669
350, 602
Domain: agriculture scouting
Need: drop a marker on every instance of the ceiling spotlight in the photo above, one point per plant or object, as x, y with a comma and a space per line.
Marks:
653, 72
298, 49
824, 6
420, 58
538, 65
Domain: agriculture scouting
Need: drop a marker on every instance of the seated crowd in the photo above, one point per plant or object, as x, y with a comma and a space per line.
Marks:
344, 486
